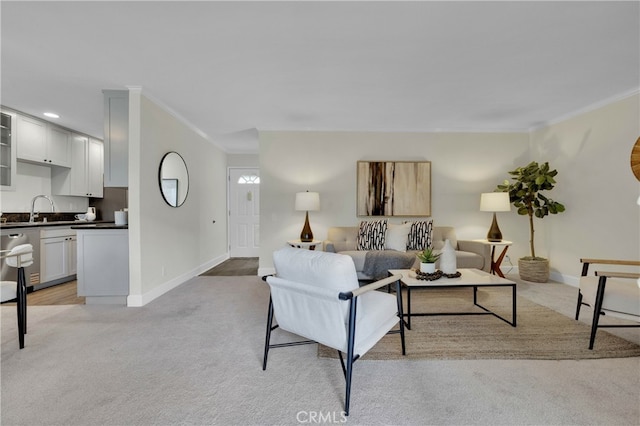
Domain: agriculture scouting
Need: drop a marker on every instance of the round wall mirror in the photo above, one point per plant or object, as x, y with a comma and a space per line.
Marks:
174, 179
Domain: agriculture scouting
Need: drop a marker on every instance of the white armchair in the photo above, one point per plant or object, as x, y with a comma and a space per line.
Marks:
616, 294
316, 295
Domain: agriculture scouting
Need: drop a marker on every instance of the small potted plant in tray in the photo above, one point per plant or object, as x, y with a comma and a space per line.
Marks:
428, 260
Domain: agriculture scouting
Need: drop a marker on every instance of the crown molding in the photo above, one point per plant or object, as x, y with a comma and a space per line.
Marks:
421, 130
588, 108
174, 114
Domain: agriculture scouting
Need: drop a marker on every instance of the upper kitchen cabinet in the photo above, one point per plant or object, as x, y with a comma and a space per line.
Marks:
95, 168
41, 142
85, 177
7, 151
116, 138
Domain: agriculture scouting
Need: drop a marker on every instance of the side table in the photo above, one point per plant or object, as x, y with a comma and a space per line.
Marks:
309, 245
495, 263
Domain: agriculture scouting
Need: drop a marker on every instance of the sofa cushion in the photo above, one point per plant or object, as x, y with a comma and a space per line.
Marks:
397, 236
443, 233
371, 235
341, 238
358, 257
420, 235
465, 259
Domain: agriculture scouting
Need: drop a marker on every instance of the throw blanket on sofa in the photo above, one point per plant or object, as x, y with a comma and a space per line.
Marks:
378, 262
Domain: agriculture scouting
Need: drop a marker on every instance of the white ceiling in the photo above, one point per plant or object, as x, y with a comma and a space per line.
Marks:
229, 68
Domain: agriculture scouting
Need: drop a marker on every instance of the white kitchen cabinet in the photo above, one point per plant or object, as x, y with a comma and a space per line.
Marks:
32, 138
58, 254
8, 151
41, 142
95, 168
116, 138
58, 146
72, 250
85, 177
103, 265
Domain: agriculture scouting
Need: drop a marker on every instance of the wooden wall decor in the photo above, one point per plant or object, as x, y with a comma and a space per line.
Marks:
394, 188
635, 159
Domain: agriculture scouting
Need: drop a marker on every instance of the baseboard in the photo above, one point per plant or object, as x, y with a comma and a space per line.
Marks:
553, 276
565, 279
40, 286
212, 263
138, 300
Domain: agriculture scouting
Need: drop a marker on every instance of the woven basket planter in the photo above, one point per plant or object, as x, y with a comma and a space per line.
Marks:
536, 271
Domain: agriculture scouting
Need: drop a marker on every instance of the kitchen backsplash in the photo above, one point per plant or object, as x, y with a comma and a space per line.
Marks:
114, 199
51, 217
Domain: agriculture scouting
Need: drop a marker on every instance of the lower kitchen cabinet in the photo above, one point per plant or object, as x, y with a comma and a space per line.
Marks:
103, 265
58, 254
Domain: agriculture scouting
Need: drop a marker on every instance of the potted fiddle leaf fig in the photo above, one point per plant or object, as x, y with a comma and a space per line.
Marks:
525, 193
428, 260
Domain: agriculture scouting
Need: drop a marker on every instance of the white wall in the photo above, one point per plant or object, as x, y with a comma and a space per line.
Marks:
463, 166
170, 245
592, 154
243, 160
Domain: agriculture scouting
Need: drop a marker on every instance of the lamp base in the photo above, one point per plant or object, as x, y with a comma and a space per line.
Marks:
306, 236
494, 235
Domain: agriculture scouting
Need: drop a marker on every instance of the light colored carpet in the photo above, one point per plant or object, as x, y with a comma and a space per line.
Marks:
541, 333
194, 357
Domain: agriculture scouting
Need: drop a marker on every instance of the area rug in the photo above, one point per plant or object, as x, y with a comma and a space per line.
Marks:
541, 333
235, 267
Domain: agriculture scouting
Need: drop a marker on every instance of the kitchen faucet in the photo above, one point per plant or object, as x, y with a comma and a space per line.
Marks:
33, 214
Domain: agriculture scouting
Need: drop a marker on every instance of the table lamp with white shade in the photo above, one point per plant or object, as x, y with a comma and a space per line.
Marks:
307, 201
495, 202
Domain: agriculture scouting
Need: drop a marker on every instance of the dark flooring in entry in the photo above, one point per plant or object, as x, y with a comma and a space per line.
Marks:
236, 266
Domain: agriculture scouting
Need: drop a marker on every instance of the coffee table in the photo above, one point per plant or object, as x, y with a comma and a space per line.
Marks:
470, 278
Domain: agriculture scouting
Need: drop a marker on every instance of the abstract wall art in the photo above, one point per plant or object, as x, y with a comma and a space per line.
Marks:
394, 188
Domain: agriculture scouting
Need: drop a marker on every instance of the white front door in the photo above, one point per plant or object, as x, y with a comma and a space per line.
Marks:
244, 212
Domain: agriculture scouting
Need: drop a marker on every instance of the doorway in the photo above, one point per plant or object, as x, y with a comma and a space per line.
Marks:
244, 212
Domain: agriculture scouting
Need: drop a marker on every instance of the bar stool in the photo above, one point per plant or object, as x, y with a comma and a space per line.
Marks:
18, 257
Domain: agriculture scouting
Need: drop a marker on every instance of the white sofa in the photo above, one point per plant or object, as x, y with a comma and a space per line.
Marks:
469, 254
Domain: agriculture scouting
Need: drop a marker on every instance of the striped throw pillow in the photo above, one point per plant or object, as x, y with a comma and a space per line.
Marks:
420, 235
371, 235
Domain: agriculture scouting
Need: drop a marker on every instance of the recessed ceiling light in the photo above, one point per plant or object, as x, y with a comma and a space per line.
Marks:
51, 115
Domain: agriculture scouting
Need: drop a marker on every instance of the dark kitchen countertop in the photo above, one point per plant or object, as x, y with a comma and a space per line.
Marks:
73, 223
109, 225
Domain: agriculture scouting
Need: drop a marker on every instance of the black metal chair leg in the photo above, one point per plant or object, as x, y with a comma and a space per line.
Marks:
344, 369
401, 315
20, 326
24, 301
267, 339
597, 308
21, 306
350, 355
579, 304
